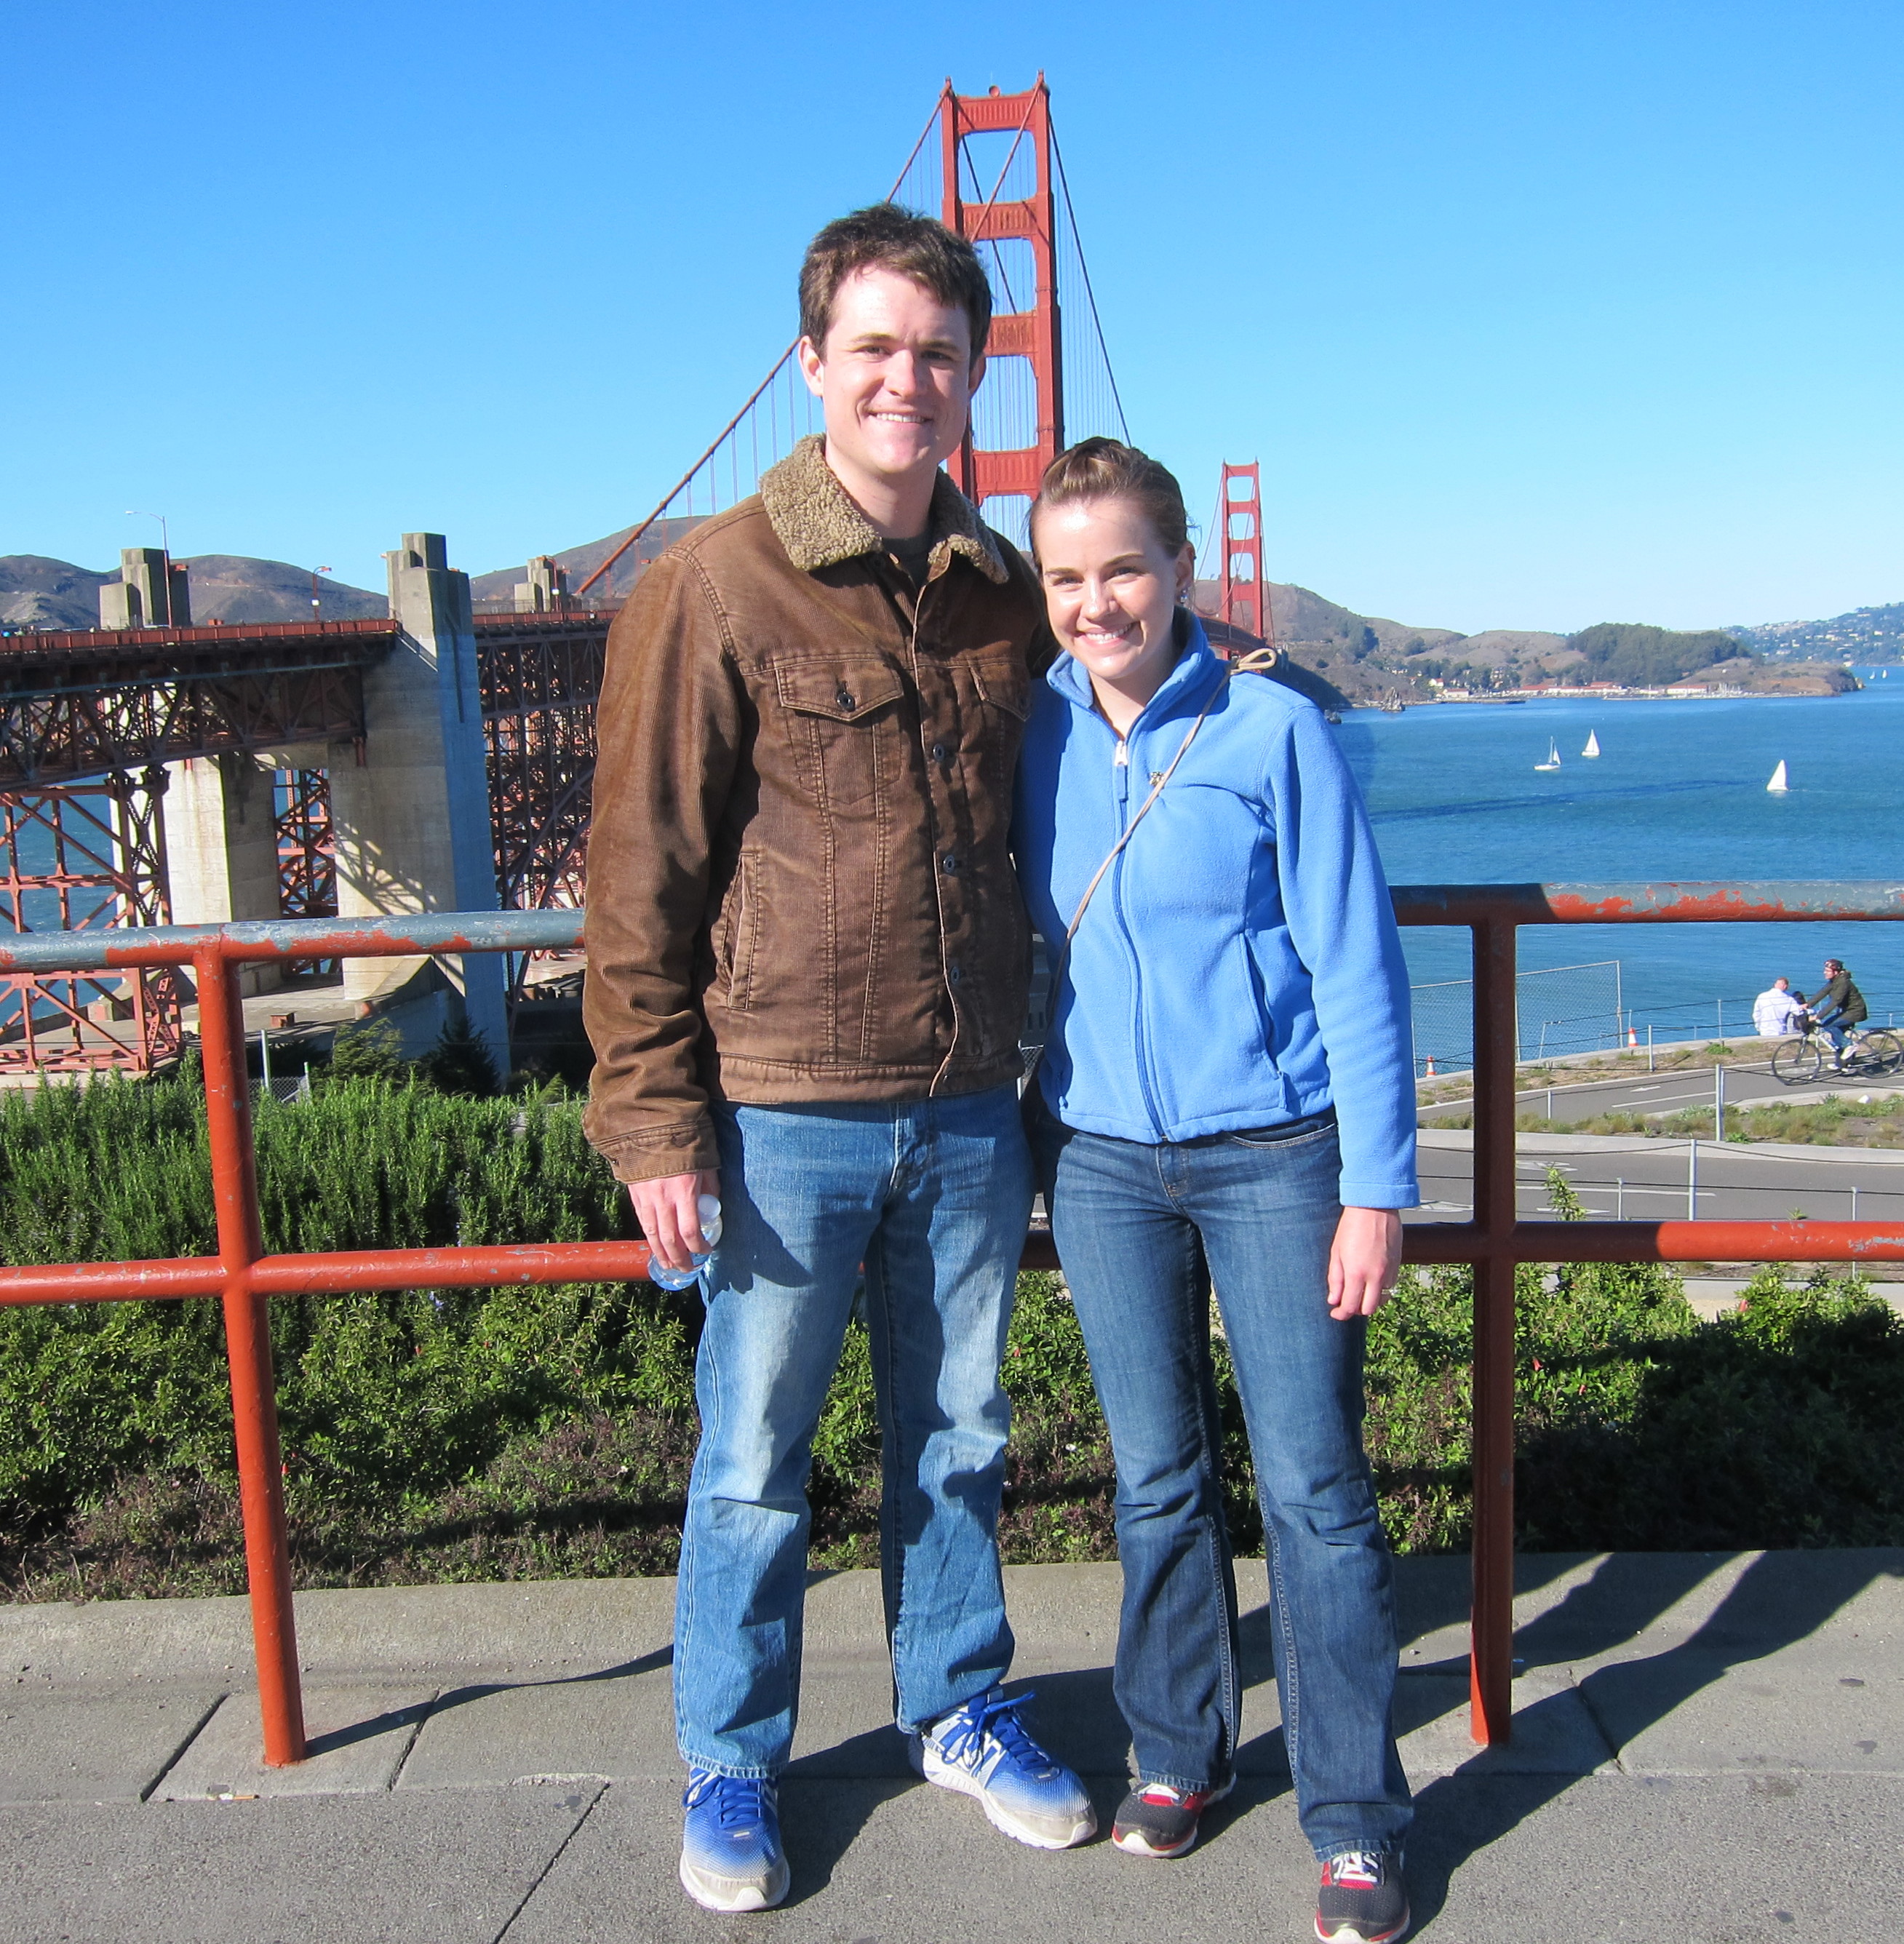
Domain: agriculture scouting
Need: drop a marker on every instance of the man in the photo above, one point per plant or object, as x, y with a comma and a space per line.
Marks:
1836, 1005
808, 963
1776, 1012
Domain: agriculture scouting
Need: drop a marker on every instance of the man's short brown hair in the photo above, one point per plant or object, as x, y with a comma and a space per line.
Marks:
886, 237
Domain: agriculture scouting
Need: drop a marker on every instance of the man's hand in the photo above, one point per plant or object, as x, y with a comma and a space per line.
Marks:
670, 1217
1364, 1261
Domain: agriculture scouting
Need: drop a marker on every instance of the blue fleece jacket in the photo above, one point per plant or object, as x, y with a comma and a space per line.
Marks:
1238, 966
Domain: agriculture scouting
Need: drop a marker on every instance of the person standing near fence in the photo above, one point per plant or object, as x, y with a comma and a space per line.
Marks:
1778, 1011
808, 968
1226, 1094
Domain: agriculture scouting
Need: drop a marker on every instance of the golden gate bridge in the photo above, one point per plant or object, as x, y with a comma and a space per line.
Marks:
94, 725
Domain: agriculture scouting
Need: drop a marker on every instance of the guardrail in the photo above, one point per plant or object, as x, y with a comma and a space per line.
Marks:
244, 1277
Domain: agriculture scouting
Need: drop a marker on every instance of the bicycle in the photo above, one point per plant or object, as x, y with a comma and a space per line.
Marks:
1870, 1053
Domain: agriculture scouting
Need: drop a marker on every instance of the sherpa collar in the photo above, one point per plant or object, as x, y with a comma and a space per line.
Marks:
813, 518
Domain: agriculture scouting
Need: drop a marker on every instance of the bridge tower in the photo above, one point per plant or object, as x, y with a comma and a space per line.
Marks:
1245, 595
988, 217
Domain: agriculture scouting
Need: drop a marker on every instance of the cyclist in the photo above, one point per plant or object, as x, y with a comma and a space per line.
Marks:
1837, 1005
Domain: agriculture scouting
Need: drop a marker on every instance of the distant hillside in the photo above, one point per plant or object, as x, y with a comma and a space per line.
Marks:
1864, 634
1636, 656
37, 592
230, 587
495, 589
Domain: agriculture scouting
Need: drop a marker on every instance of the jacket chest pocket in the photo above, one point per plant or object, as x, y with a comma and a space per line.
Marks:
1004, 693
844, 717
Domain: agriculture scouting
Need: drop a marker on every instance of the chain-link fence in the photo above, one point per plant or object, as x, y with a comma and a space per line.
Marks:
1562, 1009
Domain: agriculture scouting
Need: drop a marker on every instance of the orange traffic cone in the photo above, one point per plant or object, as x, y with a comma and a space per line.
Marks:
1430, 1074
1632, 1035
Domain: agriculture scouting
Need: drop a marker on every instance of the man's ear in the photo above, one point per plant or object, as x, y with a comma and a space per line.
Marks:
812, 366
978, 374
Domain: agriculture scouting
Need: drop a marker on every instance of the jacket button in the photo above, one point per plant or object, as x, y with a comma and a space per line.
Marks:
845, 699
949, 863
939, 752
955, 972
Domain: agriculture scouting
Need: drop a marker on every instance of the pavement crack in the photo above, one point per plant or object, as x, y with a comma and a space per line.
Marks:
555, 1856
177, 1755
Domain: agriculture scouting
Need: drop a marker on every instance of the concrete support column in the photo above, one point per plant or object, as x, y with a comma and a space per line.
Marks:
221, 847
412, 818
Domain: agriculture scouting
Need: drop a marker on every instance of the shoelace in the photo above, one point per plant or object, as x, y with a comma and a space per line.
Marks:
1164, 1795
1359, 1869
997, 1721
740, 1801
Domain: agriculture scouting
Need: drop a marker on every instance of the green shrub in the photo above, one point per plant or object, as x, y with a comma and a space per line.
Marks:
371, 1051
539, 1431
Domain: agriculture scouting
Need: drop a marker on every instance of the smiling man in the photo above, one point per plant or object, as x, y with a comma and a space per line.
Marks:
807, 967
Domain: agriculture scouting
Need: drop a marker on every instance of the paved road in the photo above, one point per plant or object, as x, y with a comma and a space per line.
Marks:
1707, 1747
1632, 1177
1663, 1093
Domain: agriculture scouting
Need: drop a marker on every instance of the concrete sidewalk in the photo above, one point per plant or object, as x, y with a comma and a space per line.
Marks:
1707, 1747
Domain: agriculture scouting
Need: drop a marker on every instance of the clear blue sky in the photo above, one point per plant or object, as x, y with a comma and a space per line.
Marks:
1536, 315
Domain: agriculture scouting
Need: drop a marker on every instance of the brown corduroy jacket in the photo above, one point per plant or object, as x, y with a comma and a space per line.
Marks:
799, 886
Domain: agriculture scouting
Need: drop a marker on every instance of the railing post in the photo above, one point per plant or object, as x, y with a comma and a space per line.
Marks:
1491, 1639
248, 1345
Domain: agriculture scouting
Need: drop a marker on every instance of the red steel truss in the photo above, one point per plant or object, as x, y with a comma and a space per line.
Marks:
540, 675
75, 860
83, 705
307, 845
1032, 335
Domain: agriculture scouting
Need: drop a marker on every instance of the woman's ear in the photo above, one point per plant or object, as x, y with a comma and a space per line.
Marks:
1186, 572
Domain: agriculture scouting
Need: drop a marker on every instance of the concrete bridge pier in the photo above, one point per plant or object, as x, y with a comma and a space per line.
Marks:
411, 812
221, 846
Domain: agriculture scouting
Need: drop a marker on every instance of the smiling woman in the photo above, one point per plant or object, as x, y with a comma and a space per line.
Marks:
1225, 1097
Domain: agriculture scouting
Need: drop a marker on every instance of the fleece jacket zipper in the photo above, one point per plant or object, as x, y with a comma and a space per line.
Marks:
1121, 775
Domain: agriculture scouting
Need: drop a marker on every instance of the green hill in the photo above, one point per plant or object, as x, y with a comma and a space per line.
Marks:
1638, 656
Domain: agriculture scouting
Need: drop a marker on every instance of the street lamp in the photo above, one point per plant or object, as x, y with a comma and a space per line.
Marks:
317, 604
164, 533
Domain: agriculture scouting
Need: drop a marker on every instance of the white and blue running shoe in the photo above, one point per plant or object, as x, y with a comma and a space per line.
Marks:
731, 1854
982, 1749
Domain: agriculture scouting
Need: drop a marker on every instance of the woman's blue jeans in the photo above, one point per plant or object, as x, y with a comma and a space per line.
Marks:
1143, 1232
933, 1196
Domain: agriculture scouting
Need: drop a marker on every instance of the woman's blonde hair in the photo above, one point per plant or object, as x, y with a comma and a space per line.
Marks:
1107, 469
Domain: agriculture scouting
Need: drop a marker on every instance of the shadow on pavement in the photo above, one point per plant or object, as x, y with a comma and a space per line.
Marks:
1780, 1599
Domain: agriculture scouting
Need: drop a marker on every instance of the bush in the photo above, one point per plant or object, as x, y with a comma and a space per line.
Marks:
373, 1050
542, 1432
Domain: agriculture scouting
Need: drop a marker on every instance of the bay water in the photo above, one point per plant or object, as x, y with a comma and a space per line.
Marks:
1677, 793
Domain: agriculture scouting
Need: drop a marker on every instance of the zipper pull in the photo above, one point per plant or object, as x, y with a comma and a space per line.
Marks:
1122, 759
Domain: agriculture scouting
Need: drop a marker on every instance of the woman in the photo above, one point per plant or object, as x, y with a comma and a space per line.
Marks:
1227, 1095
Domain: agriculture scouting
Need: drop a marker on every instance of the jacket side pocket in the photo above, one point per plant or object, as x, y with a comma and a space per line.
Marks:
741, 933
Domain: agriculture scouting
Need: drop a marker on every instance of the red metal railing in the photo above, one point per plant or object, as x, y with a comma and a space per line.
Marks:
245, 1278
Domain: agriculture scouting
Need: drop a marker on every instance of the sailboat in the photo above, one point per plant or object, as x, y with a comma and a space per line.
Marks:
1553, 756
1592, 745
1779, 782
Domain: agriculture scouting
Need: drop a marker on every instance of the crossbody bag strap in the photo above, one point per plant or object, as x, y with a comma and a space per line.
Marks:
1253, 663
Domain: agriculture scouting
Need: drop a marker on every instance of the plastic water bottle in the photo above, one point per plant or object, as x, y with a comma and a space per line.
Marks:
709, 1210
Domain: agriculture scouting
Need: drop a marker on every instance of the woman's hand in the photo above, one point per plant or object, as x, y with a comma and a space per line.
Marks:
1364, 1261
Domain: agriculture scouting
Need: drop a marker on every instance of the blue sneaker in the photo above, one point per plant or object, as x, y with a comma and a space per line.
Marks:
731, 1854
982, 1749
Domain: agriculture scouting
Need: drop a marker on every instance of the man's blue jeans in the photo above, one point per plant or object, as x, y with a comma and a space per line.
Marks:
933, 1196
1136, 1226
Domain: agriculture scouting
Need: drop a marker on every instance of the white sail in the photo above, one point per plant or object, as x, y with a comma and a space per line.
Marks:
1779, 782
1592, 745
1553, 756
